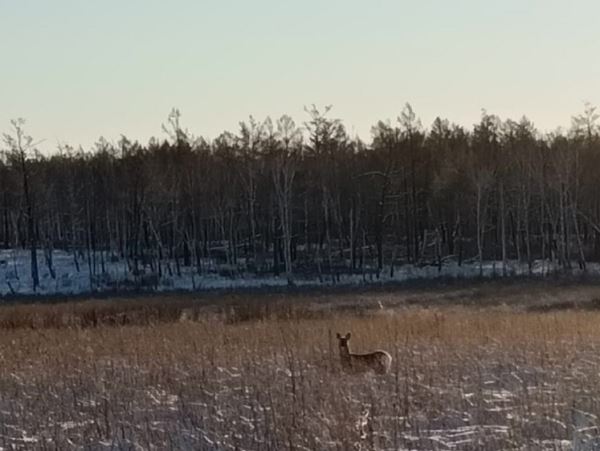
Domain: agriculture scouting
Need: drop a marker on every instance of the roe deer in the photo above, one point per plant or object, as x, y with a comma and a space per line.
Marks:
377, 361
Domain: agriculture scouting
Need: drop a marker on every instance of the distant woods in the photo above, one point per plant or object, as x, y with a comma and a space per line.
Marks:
279, 197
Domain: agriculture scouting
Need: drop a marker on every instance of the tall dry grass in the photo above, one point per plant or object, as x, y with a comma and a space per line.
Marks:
460, 379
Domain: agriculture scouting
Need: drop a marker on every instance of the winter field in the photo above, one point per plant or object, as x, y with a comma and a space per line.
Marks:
484, 366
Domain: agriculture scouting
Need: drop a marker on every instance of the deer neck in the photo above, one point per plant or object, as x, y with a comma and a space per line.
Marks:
345, 353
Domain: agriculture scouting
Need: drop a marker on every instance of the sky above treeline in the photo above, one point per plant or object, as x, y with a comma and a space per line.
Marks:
77, 70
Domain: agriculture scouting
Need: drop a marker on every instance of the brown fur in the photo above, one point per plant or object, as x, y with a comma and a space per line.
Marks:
378, 361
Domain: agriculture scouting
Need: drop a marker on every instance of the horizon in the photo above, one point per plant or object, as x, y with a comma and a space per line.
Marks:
78, 72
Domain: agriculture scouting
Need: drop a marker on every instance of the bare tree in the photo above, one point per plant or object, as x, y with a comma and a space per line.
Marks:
285, 159
21, 146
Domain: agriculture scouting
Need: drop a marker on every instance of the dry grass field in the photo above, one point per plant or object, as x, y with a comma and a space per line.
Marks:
487, 367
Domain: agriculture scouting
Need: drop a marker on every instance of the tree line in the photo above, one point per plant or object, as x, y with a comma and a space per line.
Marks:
295, 199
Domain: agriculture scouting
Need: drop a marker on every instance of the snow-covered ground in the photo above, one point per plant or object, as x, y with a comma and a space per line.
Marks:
70, 278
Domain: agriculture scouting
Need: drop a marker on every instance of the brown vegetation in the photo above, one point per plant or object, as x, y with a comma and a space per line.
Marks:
500, 378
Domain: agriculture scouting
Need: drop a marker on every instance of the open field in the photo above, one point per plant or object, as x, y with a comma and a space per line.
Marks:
263, 373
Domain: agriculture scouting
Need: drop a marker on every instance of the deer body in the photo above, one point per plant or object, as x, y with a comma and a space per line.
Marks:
378, 361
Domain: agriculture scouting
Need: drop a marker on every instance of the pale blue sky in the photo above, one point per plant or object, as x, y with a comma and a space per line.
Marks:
80, 69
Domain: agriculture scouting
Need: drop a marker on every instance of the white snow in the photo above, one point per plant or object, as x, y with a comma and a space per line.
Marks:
114, 275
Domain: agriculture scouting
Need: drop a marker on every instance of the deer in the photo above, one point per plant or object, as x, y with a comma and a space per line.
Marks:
378, 361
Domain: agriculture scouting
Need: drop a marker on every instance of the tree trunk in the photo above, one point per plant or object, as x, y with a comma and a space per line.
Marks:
503, 229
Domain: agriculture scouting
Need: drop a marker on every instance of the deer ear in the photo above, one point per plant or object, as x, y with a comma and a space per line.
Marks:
348, 335
338, 336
